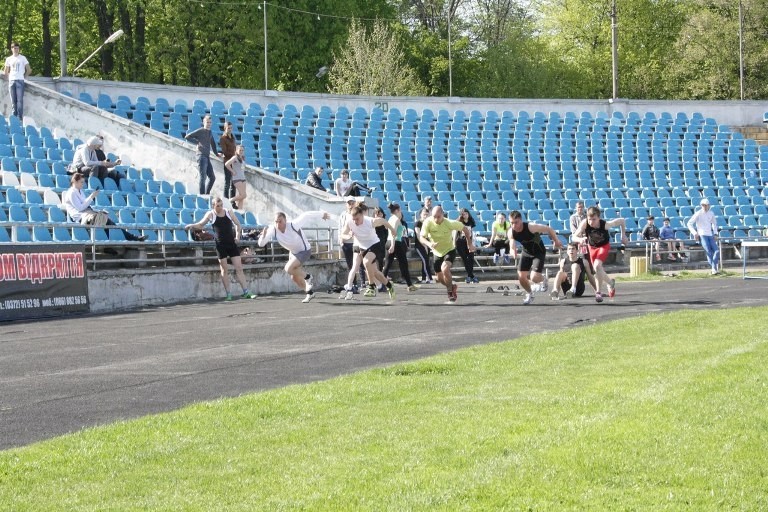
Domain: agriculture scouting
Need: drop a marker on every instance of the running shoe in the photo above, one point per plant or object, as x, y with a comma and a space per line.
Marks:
612, 288
569, 294
228, 297
468, 280
391, 291
350, 295
454, 292
309, 297
370, 292
544, 286
554, 295
248, 295
309, 285
475, 280
528, 299
413, 288
598, 297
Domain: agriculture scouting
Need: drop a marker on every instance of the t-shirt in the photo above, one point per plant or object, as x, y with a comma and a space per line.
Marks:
17, 67
365, 233
441, 234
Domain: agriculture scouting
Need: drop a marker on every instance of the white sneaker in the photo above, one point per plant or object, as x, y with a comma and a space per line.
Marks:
344, 291
309, 297
544, 286
528, 299
349, 295
570, 293
309, 285
554, 295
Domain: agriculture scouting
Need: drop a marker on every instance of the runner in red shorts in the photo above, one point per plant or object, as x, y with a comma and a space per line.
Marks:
594, 231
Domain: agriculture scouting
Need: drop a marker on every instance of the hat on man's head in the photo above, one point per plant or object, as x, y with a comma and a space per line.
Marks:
350, 199
95, 141
704, 201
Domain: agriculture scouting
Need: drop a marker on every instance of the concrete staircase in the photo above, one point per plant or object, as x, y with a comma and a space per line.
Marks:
758, 133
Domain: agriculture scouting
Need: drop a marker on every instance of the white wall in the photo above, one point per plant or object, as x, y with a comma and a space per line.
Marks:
734, 113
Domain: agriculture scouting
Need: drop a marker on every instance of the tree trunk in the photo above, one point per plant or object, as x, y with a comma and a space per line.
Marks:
47, 67
104, 21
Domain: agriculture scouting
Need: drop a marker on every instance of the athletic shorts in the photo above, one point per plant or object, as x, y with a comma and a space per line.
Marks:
378, 250
528, 262
227, 250
449, 256
599, 253
303, 256
580, 287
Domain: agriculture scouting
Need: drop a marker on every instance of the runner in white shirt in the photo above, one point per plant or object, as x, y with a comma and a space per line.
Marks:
292, 238
364, 231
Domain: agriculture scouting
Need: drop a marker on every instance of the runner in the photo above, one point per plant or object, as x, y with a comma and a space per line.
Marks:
531, 262
363, 229
437, 235
292, 238
594, 231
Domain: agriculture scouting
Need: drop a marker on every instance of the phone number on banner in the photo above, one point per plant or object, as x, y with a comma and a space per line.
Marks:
67, 300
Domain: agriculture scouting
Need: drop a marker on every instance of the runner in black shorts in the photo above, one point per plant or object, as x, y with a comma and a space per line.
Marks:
227, 230
534, 251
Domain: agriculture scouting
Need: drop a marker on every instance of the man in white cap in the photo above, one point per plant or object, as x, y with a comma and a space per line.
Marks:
703, 227
87, 162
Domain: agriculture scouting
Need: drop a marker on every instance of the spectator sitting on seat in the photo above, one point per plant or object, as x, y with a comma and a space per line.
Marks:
87, 162
315, 179
109, 164
346, 187
79, 207
651, 232
667, 233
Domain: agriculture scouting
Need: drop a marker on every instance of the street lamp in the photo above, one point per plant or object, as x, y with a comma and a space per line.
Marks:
111, 39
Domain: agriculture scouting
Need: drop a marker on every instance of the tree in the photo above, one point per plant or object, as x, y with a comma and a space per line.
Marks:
372, 63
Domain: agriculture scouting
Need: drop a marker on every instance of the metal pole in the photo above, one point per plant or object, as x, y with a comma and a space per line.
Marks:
62, 38
266, 74
450, 59
741, 52
614, 50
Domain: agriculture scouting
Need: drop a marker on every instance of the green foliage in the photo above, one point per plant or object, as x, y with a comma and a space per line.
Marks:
663, 412
668, 49
372, 63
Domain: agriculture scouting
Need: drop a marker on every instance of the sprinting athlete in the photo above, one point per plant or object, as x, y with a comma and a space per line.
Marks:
530, 266
594, 231
437, 234
292, 238
363, 230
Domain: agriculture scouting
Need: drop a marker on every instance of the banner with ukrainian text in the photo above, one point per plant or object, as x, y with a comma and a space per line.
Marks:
42, 280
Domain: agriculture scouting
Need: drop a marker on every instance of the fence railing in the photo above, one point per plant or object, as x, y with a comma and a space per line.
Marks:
163, 249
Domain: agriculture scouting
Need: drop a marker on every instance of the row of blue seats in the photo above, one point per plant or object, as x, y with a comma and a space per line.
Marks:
68, 234
125, 214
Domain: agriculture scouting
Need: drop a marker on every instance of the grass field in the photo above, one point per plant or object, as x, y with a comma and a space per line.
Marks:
663, 412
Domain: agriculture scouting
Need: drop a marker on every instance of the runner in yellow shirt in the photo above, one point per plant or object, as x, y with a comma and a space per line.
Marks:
437, 235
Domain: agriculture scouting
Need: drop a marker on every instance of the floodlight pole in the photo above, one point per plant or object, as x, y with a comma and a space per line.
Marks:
62, 38
450, 59
266, 74
111, 39
614, 50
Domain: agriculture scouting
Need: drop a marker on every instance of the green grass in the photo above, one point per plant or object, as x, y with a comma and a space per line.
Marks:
663, 412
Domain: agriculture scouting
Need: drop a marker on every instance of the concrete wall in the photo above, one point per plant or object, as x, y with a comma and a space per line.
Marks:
734, 113
112, 290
